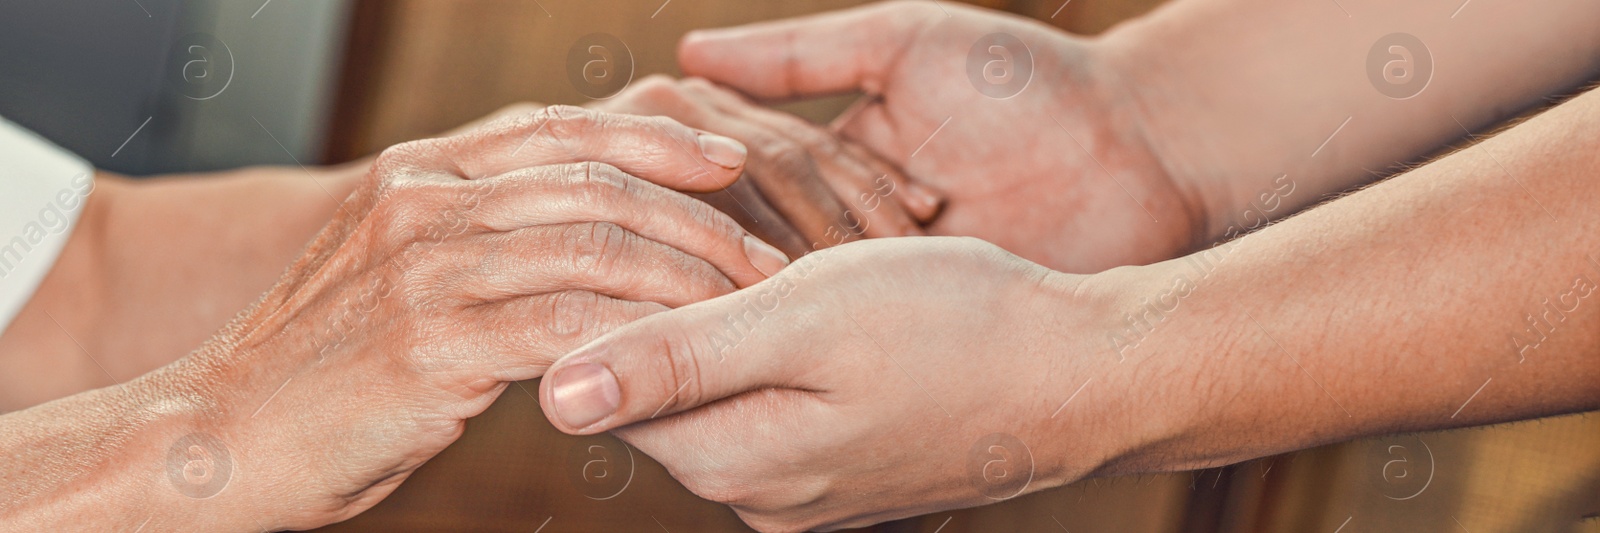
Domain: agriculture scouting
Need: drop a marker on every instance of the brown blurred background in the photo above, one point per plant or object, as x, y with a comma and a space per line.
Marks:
417, 67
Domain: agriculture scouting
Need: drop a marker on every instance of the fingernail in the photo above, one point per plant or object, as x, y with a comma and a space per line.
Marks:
584, 394
766, 258
924, 201
722, 150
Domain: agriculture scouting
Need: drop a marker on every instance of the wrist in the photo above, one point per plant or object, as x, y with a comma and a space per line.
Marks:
1093, 421
1137, 335
115, 458
199, 467
216, 466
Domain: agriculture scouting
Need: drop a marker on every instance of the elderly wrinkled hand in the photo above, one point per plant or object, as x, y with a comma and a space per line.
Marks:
800, 177
459, 265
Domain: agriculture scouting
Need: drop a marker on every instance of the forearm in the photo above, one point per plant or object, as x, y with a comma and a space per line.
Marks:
187, 253
102, 460
154, 267
1461, 293
1240, 92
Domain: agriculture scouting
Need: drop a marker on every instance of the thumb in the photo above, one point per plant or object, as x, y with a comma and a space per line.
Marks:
674, 361
818, 55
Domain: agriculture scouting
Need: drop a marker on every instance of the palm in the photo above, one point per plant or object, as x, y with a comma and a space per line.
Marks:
1058, 173
1054, 173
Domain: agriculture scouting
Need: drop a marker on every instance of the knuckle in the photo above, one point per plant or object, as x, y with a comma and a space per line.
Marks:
566, 121
598, 247
513, 120
399, 212
600, 184
567, 314
399, 158
412, 209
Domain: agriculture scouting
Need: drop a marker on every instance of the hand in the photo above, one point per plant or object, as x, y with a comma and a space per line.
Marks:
459, 265
819, 402
831, 190
1061, 173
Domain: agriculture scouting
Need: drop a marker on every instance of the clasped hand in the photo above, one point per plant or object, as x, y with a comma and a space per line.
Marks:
461, 264
468, 262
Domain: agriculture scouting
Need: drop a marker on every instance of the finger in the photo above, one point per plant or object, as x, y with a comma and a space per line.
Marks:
677, 360
861, 187
870, 177
918, 201
785, 173
518, 339
874, 212
743, 202
599, 257
710, 450
779, 169
831, 53
584, 192
867, 122
656, 149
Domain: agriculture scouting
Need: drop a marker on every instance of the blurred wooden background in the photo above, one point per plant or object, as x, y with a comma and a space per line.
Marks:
417, 67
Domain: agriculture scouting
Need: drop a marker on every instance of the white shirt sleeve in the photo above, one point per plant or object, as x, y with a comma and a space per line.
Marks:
42, 190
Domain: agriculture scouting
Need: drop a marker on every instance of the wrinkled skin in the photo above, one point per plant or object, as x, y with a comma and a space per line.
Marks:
460, 264
804, 189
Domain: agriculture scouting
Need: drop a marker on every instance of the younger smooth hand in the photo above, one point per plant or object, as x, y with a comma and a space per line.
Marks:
876, 380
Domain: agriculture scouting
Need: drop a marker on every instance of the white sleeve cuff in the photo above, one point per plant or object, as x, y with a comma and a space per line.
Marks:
42, 191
